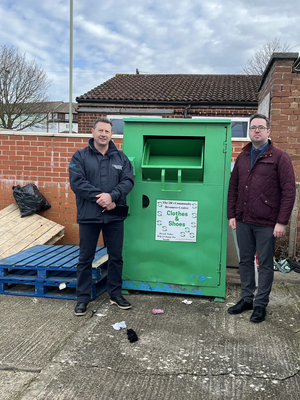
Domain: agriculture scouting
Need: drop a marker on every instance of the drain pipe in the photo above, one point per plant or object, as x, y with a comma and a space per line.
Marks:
186, 110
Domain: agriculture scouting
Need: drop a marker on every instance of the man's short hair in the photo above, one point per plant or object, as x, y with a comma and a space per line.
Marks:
262, 117
102, 119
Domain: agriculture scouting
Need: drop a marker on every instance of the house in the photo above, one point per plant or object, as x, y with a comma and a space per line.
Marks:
171, 96
276, 93
56, 118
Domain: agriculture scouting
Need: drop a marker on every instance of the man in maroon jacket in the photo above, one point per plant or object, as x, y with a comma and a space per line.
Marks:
260, 201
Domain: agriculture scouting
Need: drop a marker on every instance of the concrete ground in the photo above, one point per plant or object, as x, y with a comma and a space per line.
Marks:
195, 351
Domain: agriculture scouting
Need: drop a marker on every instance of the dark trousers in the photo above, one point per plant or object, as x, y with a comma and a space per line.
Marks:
113, 233
256, 239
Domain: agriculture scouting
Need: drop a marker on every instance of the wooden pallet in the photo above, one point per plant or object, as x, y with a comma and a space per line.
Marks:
50, 271
17, 234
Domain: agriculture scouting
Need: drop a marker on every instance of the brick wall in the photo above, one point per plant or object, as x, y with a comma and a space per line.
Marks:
282, 85
237, 147
284, 88
86, 119
42, 159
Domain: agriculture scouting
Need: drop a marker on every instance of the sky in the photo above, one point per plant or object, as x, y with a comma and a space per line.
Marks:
156, 36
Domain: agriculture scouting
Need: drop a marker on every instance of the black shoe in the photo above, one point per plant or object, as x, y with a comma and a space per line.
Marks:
121, 302
240, 307
258, 314
81, 308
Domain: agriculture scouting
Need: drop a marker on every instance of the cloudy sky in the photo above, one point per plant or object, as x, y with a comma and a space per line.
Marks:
155, 36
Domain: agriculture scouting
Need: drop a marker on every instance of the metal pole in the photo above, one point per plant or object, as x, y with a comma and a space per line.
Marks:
71, 69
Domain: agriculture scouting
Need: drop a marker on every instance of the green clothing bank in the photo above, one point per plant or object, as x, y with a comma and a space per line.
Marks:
176, 231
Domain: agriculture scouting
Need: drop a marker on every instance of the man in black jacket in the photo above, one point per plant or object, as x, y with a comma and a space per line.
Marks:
101, 177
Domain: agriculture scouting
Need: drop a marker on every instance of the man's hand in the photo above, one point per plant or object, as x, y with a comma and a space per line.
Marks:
104, 199
279, 230
111, 206
232, 223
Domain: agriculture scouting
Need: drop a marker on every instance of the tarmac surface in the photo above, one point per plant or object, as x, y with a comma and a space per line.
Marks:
195, 351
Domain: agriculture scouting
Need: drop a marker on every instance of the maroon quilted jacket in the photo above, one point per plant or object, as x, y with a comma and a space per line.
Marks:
265, 194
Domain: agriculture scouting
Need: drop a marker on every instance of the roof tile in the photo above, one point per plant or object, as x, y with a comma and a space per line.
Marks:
177, 87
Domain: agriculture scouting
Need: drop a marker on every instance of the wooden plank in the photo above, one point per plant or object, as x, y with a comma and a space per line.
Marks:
17, 234
56, 258
45, 268
53, 257
50, 237
10, 227
8, 210
23, 237
33, 257
10, 221
35, 230
56, 238
24, 255
13, 219
102, 260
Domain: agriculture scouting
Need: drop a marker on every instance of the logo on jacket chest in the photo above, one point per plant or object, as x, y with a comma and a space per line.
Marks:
119, 167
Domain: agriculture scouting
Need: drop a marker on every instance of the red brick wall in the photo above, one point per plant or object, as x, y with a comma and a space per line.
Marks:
42, 160
237, 148
86, 119
284, 89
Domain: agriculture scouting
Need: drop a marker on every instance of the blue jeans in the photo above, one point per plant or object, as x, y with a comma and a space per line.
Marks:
113, 233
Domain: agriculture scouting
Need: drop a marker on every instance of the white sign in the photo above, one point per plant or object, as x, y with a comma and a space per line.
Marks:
176, 221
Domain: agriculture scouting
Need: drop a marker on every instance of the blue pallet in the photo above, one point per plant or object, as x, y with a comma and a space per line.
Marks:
49, 289
39, 270
46, 261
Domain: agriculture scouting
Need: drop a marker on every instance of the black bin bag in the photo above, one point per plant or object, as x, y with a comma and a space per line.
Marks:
29, 199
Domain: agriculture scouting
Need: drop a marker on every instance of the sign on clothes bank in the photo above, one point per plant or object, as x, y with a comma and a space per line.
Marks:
176, 221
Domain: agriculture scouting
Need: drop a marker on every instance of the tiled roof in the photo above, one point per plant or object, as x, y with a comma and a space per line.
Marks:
44, 107
49, 106
177, 88
64, 108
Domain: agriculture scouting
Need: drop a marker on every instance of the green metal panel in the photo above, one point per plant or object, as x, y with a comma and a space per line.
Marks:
176, 233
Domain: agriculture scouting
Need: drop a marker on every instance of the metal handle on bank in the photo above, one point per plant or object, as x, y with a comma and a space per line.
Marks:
163, 181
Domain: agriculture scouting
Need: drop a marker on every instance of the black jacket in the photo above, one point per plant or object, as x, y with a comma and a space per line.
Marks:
92, 173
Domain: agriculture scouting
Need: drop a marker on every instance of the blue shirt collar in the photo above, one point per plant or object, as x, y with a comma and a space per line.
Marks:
261, 148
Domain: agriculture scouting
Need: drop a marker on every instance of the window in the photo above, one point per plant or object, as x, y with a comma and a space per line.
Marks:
118, 121
67, 117
118, 126
239, 126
